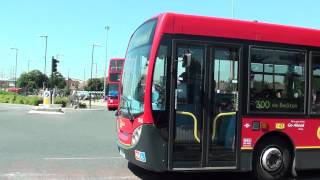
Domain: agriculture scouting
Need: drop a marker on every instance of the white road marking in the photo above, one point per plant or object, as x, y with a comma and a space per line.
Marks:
20, 175
84, 109
82, 158
7, 105
43, 112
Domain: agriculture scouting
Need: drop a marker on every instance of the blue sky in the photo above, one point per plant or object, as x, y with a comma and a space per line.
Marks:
74, 26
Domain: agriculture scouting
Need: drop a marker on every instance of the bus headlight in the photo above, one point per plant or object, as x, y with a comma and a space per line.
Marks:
136, 136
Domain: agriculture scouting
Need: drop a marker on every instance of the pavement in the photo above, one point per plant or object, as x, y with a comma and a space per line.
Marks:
96, 104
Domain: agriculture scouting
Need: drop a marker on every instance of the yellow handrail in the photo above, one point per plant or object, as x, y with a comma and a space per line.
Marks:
215, 120
195, 122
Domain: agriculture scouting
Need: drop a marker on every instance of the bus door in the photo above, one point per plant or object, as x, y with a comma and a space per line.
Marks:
223, 106
203, 113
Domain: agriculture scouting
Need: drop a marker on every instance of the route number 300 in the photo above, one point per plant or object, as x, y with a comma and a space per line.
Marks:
260, 104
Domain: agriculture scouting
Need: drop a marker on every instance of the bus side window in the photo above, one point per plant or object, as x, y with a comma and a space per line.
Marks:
277, 77
315, 96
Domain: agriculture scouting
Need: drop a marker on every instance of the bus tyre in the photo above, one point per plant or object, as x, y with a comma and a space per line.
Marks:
272, 160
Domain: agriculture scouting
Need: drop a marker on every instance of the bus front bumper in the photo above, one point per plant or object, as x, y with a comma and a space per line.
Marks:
149, 153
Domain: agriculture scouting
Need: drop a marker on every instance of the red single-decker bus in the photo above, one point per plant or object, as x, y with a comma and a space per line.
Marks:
213, 94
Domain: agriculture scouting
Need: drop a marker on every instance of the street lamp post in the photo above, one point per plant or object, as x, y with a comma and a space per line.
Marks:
94, 45
96, 74
29, 65
107, 28
15, 71
45, 54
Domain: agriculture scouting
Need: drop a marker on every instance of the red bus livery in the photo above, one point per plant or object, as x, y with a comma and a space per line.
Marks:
114, 82
204, 93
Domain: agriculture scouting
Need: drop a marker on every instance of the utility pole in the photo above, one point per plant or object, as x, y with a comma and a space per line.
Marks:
84, 75
94, 45
45, 53
12, 73
107, 28
15, 71
28, 65
68, 80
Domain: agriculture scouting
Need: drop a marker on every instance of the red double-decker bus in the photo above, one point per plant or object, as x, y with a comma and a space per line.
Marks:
114, 83
213, 94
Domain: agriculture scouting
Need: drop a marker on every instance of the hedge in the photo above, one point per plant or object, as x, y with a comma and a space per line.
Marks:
8, 97
61, 100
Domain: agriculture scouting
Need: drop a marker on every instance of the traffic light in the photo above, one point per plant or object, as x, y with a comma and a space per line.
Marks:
54, 65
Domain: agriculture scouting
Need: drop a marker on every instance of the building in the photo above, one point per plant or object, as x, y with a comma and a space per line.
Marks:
75, 84
6, 83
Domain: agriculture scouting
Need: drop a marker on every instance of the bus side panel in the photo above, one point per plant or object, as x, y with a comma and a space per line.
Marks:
304, 134
307, 159
245, 160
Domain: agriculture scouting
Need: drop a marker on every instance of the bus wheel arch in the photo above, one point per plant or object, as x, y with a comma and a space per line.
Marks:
273, 156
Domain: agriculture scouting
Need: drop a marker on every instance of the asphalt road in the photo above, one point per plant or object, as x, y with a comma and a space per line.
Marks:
79, 144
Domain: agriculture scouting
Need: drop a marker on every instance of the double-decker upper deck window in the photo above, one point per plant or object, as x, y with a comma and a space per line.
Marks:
116, 65
277, 80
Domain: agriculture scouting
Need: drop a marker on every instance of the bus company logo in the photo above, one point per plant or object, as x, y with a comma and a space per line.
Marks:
296, 124
140, 156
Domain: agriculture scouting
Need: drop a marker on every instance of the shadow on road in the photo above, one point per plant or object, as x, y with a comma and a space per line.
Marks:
148, 175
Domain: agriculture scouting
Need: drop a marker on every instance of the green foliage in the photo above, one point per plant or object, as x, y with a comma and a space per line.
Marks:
66, 91
34, 100
13, 98
95, 84
58, 80
7, 98
6, 93
82, 105
32, 81
61, 100
20, 100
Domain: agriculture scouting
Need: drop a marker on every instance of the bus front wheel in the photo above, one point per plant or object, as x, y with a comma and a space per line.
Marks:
272, 159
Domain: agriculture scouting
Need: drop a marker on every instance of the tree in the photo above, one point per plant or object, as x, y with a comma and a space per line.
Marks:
95, 84
57, 80
32, 81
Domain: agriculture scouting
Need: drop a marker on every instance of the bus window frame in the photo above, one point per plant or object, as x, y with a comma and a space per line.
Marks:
310, 86
306, 76
165, 40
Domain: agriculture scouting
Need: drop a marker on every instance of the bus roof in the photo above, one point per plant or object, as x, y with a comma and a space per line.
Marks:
172, 23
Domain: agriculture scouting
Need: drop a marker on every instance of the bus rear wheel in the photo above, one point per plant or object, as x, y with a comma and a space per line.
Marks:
272, 160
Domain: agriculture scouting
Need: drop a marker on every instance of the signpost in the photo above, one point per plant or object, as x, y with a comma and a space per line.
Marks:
46, 97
